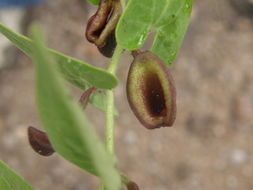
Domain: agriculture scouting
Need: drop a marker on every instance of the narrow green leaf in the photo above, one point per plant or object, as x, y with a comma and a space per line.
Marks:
10, 180
75, 71
169, 37
93, 2
142, 16
69, 131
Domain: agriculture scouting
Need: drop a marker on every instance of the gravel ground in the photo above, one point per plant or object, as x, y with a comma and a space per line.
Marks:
209, 146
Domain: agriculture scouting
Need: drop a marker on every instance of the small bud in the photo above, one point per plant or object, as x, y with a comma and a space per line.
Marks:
40, 142
101, 26
132, 186
150, 91
85, 97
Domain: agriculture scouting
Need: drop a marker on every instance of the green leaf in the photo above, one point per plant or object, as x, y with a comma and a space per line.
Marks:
69, 131
75, 71
9, 180
169, 37
142, 16
98, 100
93, 2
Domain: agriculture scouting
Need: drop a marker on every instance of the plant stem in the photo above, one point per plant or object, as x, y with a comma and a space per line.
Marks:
110, 103
110, 121
109, 117
115, 60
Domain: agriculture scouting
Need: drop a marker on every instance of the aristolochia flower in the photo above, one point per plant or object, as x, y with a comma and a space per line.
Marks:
151, 92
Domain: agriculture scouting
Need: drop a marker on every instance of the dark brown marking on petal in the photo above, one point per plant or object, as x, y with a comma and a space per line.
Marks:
109, 47
154, 96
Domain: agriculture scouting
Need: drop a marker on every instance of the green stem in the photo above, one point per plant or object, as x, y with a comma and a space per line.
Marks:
101, 187
109, 117
110, 103
110, 121
115, 60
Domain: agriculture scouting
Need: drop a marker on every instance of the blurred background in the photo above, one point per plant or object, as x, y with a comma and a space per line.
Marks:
210, 145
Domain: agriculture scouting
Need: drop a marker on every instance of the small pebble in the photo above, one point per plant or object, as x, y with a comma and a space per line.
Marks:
238, 156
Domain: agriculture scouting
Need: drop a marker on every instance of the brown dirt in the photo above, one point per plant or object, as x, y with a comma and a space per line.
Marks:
209, 146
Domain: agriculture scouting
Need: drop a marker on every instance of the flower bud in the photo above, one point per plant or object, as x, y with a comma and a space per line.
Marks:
132, 186
85, 97
40, 142
151, 92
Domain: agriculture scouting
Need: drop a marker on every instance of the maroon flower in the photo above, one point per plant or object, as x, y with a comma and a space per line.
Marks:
101, 26
151, 92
